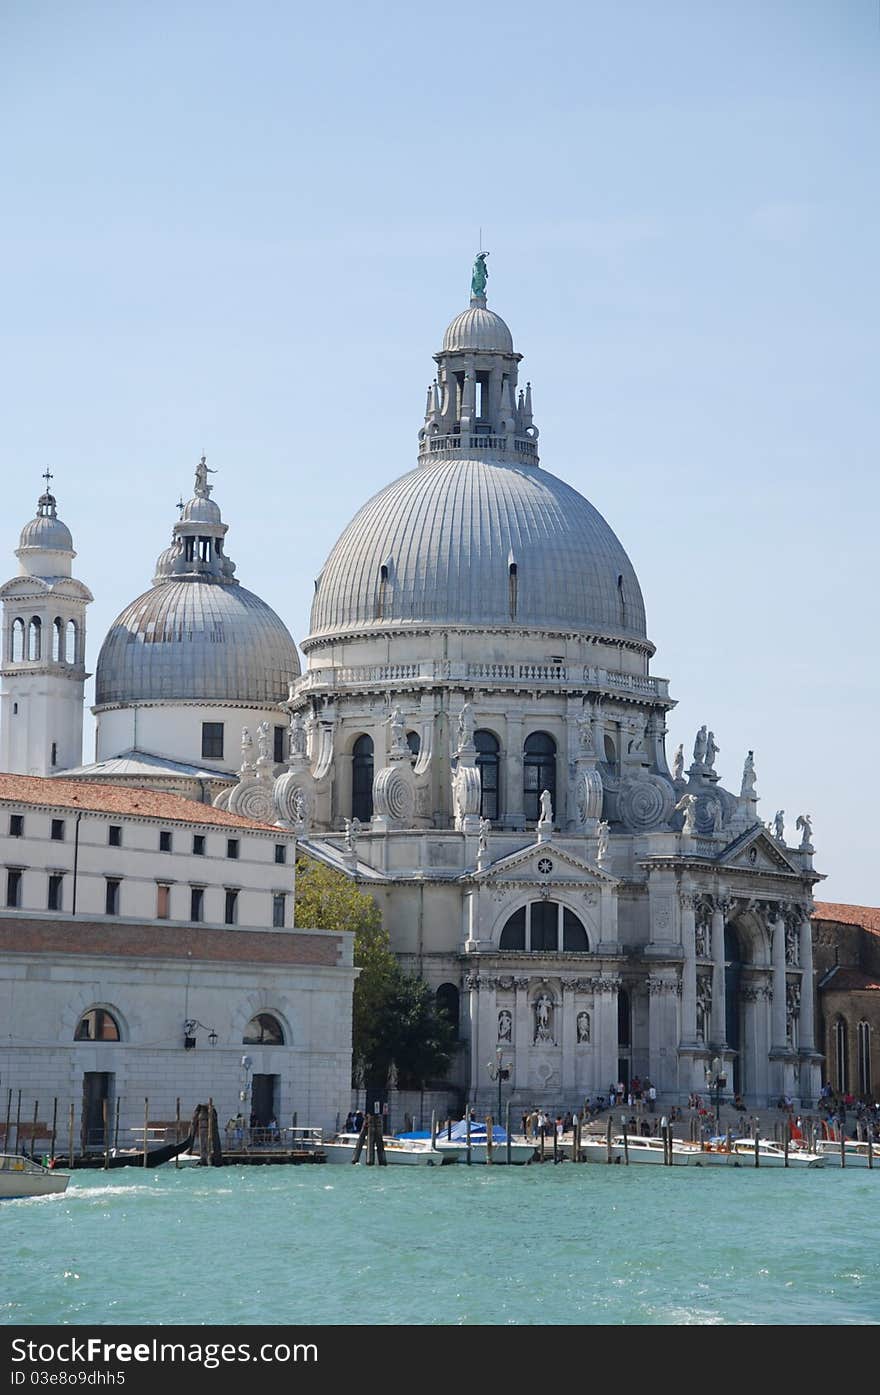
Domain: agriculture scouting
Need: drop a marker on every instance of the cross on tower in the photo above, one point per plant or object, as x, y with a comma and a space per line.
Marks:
47, 477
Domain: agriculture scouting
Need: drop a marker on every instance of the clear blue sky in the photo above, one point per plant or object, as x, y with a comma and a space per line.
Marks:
241, 228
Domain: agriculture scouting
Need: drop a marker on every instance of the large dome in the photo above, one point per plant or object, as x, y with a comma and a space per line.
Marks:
438, 547
196, 640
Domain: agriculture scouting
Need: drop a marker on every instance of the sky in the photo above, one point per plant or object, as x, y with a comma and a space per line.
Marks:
242, 229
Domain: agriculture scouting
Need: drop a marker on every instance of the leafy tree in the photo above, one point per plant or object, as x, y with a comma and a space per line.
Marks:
395, 1016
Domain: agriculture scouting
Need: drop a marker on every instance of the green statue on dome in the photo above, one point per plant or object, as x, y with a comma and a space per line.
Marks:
481, 274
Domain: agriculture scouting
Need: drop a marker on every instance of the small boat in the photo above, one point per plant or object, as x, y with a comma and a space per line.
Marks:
771, 1154
407, 1152
855, 1153
636, 1149
132, 1157
21, 1177
454, 1145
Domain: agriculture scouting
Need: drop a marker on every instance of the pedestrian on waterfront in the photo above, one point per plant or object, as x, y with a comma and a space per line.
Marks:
358, 1121
652, 1098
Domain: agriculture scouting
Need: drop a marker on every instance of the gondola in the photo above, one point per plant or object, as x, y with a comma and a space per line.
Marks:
166, 1152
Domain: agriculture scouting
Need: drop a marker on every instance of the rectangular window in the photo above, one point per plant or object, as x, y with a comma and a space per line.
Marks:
196, 902
212, 740
114, 835
13, 886
198, 845
55, 883
165, 840
111, 897
232, 847
16, 825
57, 830
281, 852
232, 908
163, 901
279, 745
279, 903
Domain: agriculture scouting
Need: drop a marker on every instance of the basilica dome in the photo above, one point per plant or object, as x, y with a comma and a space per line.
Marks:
196, 635
46, 531
478, 543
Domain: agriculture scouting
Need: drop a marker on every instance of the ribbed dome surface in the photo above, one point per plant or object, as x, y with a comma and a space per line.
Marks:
196, 640
48, 533
479, 330
199, 510
447, 534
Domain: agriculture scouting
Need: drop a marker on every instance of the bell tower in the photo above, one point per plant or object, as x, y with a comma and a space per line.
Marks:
43, 650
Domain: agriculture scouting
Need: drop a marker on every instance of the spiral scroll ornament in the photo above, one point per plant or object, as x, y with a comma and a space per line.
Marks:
252, 799
588, 795
394, 795
293, 799
645, 803
466, 792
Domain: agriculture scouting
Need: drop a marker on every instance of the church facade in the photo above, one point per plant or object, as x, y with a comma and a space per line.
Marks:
478, 739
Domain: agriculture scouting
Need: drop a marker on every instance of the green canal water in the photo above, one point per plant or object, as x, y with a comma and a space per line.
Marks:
565, 1244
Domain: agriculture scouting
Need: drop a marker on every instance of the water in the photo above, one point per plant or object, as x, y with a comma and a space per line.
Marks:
564, 1244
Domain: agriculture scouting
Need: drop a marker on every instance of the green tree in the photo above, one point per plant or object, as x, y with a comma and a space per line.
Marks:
395, 1016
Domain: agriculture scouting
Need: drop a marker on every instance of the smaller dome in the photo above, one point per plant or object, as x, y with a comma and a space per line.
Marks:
200, 510
478, 330
46, 531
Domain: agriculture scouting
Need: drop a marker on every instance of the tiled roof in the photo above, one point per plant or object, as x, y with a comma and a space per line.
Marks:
113, 799
868, 917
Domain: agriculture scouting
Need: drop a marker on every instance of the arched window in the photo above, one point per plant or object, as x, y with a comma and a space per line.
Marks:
539, 773
544, 926
487, 764
414, 742
841, 1056
18, 650
57, 641
263, 1030
447, 1003
610, 752
864, 1037
35, 638
71, 651
97, 1025
362, 779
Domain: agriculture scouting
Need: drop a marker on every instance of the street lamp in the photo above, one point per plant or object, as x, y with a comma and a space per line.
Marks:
498, 1071
716, 1079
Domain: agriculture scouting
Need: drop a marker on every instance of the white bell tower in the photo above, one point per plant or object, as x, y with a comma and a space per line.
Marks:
43, 653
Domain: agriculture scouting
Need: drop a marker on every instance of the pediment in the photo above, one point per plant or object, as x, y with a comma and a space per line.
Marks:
41, 586
525, 866
757, 851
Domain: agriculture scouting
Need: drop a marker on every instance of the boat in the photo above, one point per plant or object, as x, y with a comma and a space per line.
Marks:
636, 1149
855, 1153
453, 1144
20, 1177
720, 1151
772, 1154
132, 1157
407, 1152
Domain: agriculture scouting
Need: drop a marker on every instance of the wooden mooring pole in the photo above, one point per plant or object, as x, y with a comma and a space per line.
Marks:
507, 1131
54, 1126
625, 1147
785, 1147
176, 1131
870, 1146
467, 1125
147, 1120
362, 1138
106, 1121
380, 1142
490, 1140
433, 1128
34, 1128
17, 1120
608, 1140
70, 1119
8, 1117
116, 1124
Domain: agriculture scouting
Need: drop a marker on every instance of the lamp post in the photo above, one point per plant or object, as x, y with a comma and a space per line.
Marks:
498, 1071
716, 1079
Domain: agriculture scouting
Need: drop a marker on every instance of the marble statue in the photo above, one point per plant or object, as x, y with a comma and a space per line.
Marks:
700, 744
805, 822
715, 809
546, 819
481, 274
203, 470
263, 741
585, 735
749, 777
466, 727
711, 751
779, 825
247, 750
688, 806
678, 762
603, 832
485, 830
543, 1007
352, 829
398, 732
297, 737
636, 737
299, 807
505, 1025
583, 1027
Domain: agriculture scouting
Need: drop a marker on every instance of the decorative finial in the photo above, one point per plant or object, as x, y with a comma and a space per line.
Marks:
203, 470
480, 276
47, 476
180, 505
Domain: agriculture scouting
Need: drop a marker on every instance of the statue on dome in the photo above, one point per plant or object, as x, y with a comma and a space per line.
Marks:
466, 727
747, 790
203, 470
779, 825
805, 823
398, 733
546, 819
603, 832
687, 805
585, 735
481, 274
711, 751
700, 745
297, 737
678, 762
485, 830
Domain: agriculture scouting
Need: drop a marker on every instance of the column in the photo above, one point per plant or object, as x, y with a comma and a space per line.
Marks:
521, 1035
689, 971
720, 908
606, 1030
472, 986
512, 791
807, 1018
778, 1034
488, 1039
569, 1039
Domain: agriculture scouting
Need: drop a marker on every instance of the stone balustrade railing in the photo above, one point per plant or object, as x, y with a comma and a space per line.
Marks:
431, 671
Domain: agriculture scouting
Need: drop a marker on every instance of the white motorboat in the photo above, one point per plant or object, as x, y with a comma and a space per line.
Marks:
407, 1152
855, 1153
21, 1176
636, 1149
771, 1154
714, 1152
454, 1145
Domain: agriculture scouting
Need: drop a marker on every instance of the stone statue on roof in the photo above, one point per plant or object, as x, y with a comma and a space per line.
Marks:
203, 470
481, 274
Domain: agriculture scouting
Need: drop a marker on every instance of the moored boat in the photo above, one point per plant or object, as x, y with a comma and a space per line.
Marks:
454, 1145
855, 1154
406, 1152
20, 1177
